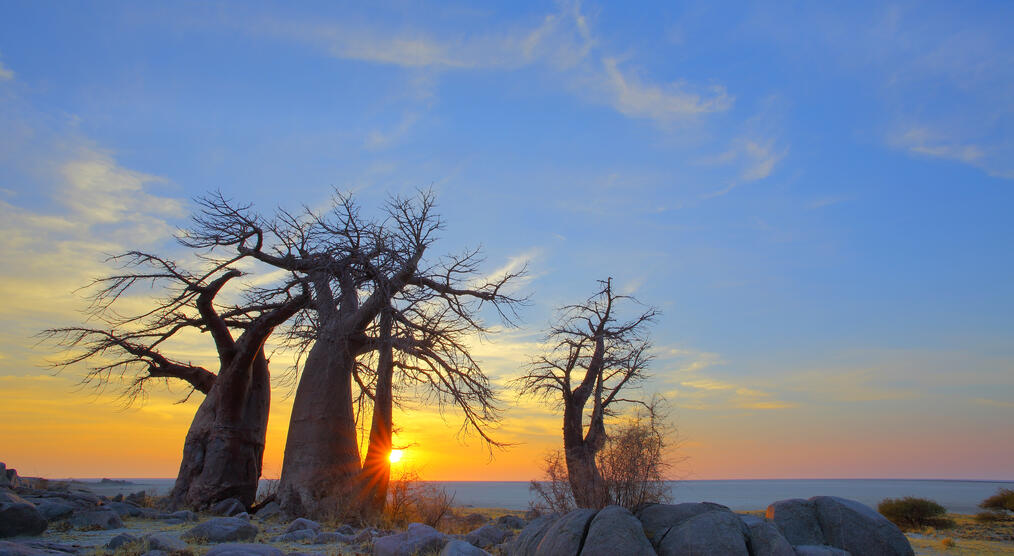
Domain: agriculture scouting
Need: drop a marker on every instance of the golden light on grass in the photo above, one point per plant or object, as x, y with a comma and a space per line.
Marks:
394, 456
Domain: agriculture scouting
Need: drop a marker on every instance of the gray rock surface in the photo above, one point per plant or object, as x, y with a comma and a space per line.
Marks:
53, 509
418, 538
228, 507
296, 536
120, 540
765, 538
96, 519
529, 538
659, 518
462, 548
334, 538
797, 520
165, 541
271, 509
486, 536
510, 522
819, 550
244, 549
301, 523
19, 516
715, 532
222, 529
614, 531
859, 529
566, 534
124, 509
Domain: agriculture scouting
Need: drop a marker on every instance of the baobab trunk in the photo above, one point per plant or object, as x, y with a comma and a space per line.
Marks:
321, 465
376, 474
224, 448
586, 482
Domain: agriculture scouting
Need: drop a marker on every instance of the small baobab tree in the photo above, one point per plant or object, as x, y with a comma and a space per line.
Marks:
595, 356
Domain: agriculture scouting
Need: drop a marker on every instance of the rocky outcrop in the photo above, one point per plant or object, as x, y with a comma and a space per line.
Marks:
462, 548
859, 529
222, 529
613, 531
486, 536
706, 533
797, 520
566, 535
19, 516
529, 538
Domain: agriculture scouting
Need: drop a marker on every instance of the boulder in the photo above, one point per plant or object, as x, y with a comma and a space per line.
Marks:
8, 477
418, 538
19, 516
301, 523
138, 498
566, 534
529, 538
334, 538
462, 548
510, 522
713, 532
124, 509
222, 529
859, 529
244, 549
613, 531
659, 518
8, 548
486, 536
765, 538
180, 516
269, 510
96, 519
296, 536
120, 540
165, 541
53, 509
228, 507
820, 550
797, 520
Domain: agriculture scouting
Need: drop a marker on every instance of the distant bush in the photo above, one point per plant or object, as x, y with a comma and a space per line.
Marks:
1002, 501
912, 513
989, 517
410, 500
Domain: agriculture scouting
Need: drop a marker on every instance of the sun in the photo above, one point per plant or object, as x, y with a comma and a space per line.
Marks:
394, 456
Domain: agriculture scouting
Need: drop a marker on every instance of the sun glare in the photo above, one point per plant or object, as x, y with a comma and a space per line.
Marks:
394, 456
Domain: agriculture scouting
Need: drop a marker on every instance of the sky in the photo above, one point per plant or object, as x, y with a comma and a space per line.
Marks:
817, 197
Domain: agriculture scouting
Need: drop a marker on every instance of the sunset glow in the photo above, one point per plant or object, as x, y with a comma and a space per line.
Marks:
816, 196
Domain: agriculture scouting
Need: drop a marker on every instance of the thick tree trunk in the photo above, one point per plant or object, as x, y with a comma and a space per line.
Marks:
377, 466
321, 465
224, 449
586, 482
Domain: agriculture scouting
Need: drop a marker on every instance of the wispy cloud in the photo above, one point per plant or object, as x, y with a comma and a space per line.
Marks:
377, 139
924, 141
757, 159
5, 73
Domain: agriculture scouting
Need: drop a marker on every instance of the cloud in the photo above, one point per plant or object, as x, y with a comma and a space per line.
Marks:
377, 139
5, 73
633, 97
756, 159
923, 140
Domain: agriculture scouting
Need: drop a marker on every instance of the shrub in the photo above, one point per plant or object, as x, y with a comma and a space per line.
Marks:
988, 517
912, 513
554, 494
411, 500
947, 542
1002, 501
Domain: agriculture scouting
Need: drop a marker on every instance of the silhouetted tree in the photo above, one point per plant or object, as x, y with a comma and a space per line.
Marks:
224, 447
594, 356
360, 270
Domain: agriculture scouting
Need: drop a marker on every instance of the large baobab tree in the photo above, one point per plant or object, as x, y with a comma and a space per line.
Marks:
366, 276
594, 356
224, 447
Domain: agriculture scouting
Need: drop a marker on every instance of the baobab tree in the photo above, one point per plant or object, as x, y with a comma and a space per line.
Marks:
224, 447
594, 356
360, 270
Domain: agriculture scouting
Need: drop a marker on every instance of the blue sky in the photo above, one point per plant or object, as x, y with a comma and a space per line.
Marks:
817, 197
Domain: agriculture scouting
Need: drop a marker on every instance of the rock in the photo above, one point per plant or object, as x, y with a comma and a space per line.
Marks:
96, 519
819, 550
138, 498
510, 522
242, 515
859, 529
19, 516
765, 538
8, 477
659, 518
156, 553
54, 509
486, 536
222, 529
529, 538
296, 536
181, 516
228, 507
797, 520
271, 509
462, 548
332, 538
8, 548
418, 538
244, 549
302, 523
614, 531
713, 532
165, 541
120, 540
565, 535
124, 509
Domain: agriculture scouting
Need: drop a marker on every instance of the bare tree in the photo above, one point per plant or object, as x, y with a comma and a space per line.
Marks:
224, 447
594, 357
361, 270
